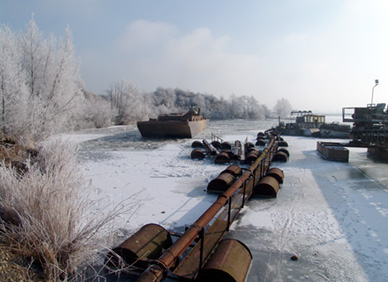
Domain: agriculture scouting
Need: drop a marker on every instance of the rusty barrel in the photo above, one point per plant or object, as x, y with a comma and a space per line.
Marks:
221, 183
285, 151
268, 186
235, 170
197, 144
146, 244
260, 135
260, 142
216, 144
222, 158
248, 145
229, 152
283, 144
197, 154
226, 145
280, 157
230, 262
276, 173
251, 157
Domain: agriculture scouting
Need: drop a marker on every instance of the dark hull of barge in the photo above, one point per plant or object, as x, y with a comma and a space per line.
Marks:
171, 129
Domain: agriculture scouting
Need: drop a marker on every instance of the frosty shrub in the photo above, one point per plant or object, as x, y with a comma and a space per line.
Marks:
40, 85
43, 213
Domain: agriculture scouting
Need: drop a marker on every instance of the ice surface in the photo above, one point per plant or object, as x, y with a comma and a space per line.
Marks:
333, 216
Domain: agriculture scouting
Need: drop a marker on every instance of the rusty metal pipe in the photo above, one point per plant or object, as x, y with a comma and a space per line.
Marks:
158, 270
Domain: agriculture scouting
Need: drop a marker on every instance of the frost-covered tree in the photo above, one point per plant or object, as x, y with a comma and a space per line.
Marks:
164, 100
13, 93
283, 108
97, 111
128, 101
53, 81
40, 78
236, 110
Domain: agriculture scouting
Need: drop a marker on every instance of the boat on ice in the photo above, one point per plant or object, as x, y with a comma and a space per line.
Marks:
306, 124
309, 124
174, 125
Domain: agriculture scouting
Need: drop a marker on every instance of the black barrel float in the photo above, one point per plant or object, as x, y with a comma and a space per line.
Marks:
249, 145
230, 153
276, 173
222, 158
221, 183
226, 145
197, 154
268, 186
285, 151
230, 262
235, 170
252, 149
280, 157
260, 135
146, 244
197, 144
260, 142
283, 144
216, 144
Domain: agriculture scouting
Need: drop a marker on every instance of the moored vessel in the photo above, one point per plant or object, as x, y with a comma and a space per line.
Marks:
175, 125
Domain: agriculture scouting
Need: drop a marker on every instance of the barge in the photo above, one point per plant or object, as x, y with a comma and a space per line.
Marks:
175, 125
309, 124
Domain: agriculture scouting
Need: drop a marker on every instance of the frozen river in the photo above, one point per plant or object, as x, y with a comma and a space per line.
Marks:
333, 216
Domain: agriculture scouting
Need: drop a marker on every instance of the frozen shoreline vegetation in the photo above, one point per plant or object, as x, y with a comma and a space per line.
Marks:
333, 216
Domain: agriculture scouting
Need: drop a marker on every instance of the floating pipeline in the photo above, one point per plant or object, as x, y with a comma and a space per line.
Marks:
200, 250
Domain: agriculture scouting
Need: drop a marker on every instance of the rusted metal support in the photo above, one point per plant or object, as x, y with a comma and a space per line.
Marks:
202, 238
244, 191
229, 216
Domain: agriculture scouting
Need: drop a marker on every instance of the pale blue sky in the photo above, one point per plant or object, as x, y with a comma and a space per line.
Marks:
319, 54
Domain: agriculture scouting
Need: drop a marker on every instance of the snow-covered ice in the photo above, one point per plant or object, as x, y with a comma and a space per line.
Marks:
332, 215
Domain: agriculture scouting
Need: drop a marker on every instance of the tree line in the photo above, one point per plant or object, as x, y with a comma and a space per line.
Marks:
42, 93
